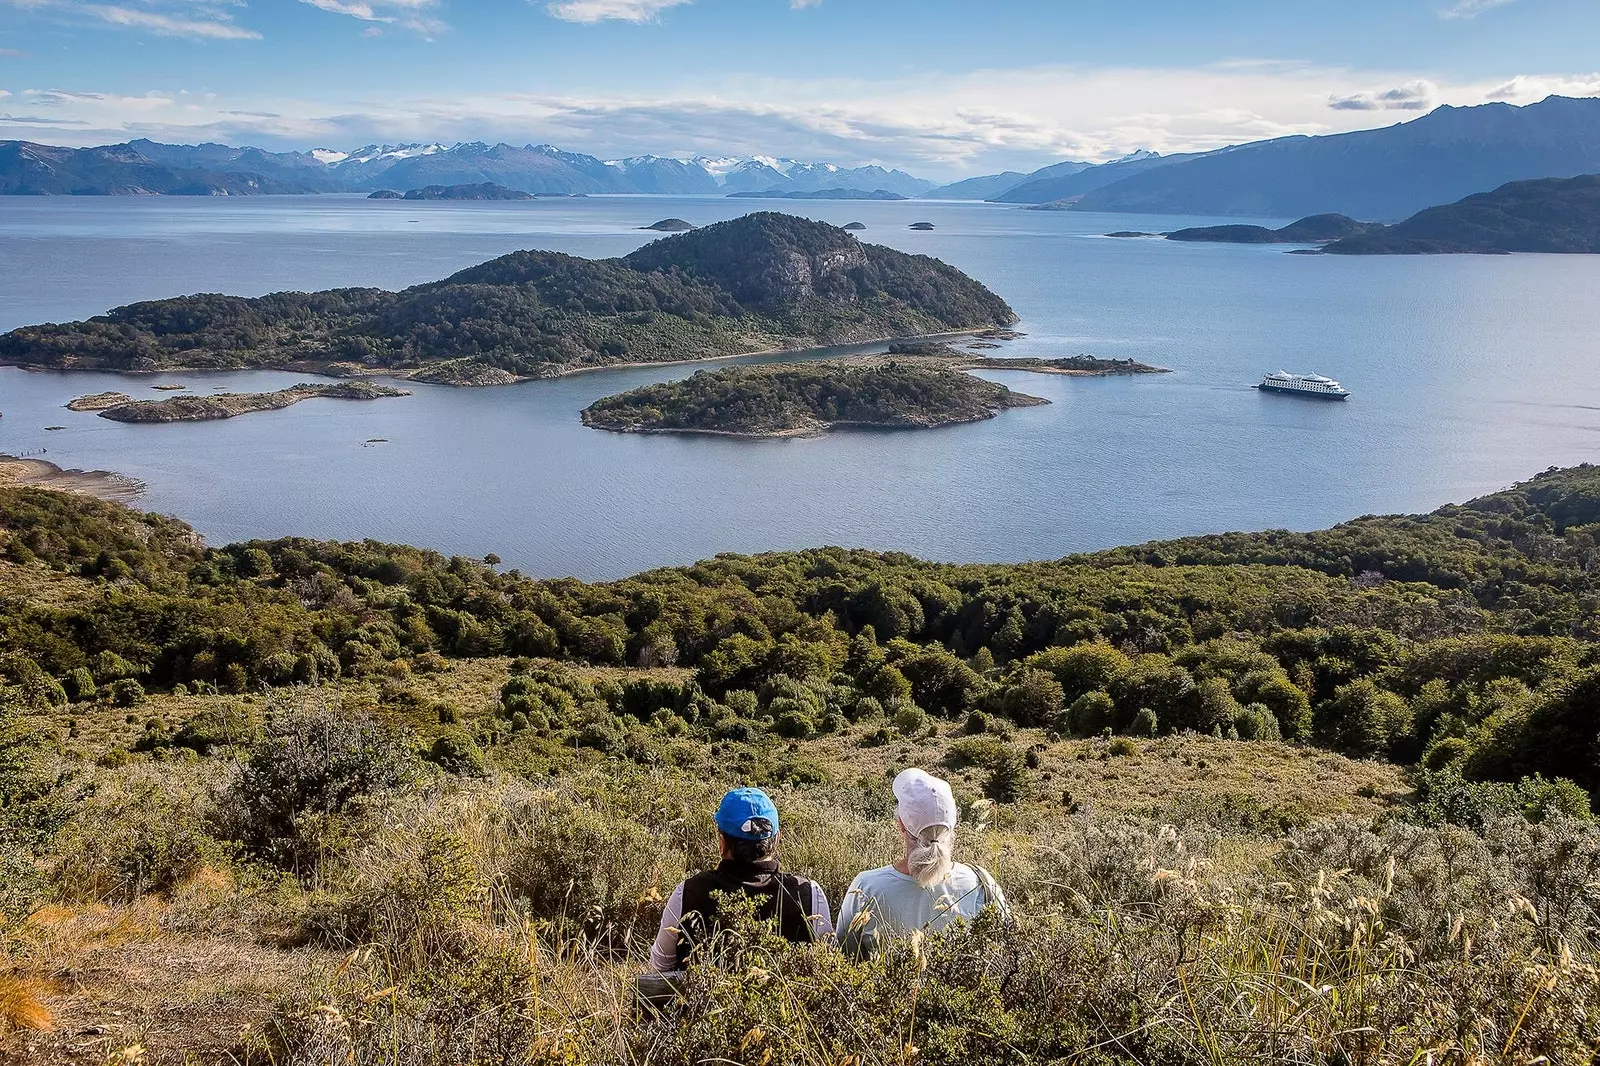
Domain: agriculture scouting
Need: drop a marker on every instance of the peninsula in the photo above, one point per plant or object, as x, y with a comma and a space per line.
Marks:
763, 282
231, 405
806, 399
1559, 215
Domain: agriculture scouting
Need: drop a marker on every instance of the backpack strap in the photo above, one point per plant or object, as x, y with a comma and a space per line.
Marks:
986, 881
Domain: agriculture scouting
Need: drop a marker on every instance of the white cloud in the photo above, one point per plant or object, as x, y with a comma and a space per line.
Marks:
1418, 95
602, 10
410, 14
200, 21
1467, 9
173, 25
935, 123
1525, 90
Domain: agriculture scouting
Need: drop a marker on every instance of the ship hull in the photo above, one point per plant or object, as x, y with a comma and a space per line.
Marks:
1304, 393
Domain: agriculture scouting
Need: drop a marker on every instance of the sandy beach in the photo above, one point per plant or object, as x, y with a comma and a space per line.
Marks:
38, 473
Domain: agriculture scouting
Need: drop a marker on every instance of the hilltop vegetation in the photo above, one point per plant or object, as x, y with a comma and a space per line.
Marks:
1554, 215
805, 399
762, 281
1259, 797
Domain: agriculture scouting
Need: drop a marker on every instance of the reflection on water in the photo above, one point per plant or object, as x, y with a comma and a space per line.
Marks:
1468, 373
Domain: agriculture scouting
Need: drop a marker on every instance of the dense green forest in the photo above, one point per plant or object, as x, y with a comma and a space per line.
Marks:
789, 399
1468, 639
761, 281
1304, 797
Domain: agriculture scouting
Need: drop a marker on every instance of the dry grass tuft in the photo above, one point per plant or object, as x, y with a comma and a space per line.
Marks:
22, 1004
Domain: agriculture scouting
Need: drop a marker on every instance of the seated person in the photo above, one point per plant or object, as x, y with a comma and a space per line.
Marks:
925, 888
747, 822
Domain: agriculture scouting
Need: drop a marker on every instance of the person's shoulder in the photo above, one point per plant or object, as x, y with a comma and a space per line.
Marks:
869, 880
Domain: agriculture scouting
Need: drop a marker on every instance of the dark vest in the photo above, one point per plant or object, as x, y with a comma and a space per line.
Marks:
780, 898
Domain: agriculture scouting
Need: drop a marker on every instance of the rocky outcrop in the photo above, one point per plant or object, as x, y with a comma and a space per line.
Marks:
212, 408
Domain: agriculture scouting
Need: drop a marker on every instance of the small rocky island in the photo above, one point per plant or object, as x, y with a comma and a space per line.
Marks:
806, 399
922, 225
99, 401
670, 225
935, 353
211, 408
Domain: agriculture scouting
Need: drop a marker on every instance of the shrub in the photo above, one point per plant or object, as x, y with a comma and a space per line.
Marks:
125, 693
80, 686
985, 751
794, 724
1007, 778
1034, 698
455, 752
297, 793
1144, 724
907, 717
1089, 715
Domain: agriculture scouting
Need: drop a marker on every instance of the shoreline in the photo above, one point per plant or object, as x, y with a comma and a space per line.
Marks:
17, 472
322, 367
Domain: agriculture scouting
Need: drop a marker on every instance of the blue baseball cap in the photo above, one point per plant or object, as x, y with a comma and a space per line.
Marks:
749, 814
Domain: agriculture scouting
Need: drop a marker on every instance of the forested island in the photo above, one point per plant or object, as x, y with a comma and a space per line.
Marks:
231, 405
806, 399
483, 190
765, 281
1314, 229
1260, 797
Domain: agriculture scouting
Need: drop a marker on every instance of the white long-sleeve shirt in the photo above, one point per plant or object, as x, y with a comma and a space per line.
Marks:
887, 903
664, 952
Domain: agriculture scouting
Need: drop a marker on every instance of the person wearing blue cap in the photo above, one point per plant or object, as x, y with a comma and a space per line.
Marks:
747, 823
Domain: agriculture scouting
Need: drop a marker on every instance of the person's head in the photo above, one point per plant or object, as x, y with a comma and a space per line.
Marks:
747, 822
926, 813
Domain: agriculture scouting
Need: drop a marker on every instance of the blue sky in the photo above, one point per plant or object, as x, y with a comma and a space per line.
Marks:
940, 87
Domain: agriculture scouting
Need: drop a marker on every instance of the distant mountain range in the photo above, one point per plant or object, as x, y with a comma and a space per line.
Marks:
149, 168
1376, 175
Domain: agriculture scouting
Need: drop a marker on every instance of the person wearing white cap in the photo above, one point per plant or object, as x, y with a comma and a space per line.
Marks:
925, 888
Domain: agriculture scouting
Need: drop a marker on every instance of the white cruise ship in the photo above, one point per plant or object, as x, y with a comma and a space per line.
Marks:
1304, 385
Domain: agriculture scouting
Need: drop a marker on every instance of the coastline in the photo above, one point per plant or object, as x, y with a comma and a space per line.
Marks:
327, 368
42, 474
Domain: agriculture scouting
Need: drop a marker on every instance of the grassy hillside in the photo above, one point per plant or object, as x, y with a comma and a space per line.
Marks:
783, 400
1261, 797
762, 281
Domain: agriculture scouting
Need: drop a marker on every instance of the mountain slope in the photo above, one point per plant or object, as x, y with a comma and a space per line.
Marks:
1065, 181
980, 188
758, 282
28, 169
1552, 215
1383, 174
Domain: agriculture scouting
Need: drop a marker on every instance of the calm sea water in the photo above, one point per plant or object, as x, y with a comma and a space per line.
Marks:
1468, 372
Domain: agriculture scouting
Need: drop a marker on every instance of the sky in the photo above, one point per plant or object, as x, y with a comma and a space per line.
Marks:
943, 88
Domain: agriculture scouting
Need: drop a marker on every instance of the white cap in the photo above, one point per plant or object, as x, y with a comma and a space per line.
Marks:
924, 801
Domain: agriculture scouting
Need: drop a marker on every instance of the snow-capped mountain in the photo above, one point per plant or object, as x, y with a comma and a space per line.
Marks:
533, 168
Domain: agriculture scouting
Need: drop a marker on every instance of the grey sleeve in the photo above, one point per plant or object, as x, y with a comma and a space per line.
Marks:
664, 952
822, 917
